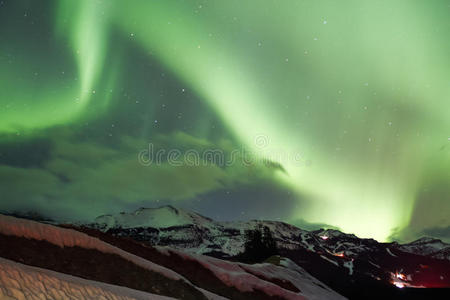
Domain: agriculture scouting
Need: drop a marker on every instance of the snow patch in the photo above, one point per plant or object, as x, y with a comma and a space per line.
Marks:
330, 260
310, 287
390, 253
349, 265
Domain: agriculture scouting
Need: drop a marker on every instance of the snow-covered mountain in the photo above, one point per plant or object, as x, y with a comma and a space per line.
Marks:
190, 231
429, 247
334, 257
195, 233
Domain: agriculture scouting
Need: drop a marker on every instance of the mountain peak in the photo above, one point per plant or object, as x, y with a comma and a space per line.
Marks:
333, 233
156, 217
153, 209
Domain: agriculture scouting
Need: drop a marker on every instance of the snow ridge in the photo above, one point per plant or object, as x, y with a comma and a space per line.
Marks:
70, 238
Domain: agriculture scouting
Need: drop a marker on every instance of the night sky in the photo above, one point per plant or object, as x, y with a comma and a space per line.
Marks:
339, 110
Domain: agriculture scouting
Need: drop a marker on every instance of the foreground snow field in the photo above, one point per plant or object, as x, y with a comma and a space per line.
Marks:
22, 282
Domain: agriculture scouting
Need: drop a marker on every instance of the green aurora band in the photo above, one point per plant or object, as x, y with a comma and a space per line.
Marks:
360, 89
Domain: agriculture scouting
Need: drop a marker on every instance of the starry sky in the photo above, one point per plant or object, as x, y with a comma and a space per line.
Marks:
332, 113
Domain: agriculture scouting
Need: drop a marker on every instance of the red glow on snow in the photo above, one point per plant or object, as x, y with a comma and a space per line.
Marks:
400, 276
399, 285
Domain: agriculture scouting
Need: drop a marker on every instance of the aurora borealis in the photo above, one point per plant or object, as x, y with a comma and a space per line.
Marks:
359, 91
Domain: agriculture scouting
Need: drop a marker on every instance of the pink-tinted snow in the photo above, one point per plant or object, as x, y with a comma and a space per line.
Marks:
63, 237
233, 275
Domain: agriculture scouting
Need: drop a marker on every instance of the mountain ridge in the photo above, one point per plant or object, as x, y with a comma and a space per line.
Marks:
352, 259
185, 217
